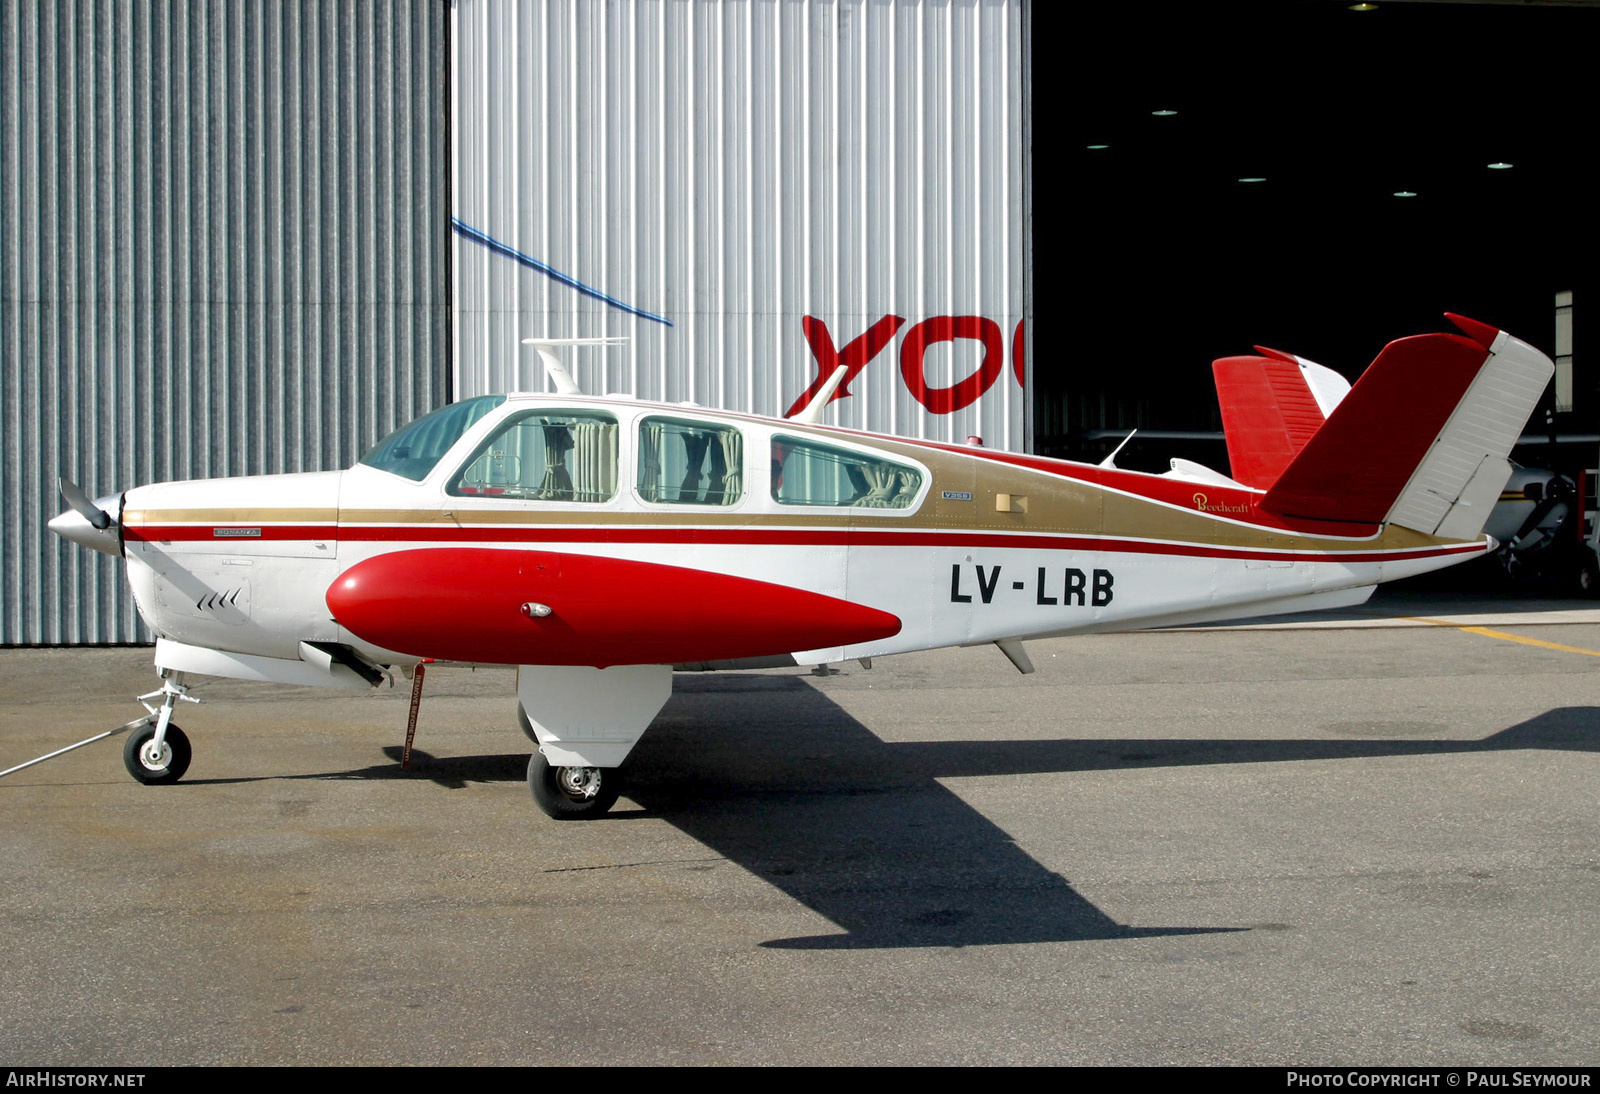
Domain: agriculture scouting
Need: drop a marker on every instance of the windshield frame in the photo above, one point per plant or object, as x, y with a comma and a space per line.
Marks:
440, 430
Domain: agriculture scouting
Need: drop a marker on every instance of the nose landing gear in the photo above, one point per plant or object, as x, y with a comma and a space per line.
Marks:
159, 753
157, 764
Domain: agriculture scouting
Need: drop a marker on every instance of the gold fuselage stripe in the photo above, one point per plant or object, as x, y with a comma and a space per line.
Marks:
1052, 504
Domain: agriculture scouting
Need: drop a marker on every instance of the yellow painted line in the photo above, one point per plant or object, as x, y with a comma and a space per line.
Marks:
1488, 632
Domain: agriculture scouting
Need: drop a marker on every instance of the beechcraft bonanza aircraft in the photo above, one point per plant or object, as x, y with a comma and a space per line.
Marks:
599, 543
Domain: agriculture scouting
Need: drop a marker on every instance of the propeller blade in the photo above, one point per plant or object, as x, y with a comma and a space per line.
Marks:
80, 501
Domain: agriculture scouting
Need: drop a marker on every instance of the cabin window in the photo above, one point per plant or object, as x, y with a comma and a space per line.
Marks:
545, 456
807, 473
413, 450
690, 463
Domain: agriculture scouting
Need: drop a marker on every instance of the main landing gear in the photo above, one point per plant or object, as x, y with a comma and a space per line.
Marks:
571, 793
583, 723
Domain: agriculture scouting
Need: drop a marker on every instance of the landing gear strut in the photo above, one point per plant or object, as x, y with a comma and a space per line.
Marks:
571, 793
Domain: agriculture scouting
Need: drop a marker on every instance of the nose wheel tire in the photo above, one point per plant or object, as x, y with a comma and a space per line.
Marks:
571, 793
153, 767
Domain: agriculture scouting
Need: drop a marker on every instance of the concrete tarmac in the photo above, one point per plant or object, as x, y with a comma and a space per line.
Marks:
1324, 845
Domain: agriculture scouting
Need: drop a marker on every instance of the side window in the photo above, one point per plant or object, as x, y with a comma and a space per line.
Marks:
545, 456
690, 463
807, 473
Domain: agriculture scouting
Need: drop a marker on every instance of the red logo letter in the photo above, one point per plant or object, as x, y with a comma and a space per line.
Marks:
854, 358
947, 328
1017, 354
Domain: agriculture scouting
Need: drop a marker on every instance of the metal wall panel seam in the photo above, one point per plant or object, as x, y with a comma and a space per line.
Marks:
122, 422
81, 455
21, 574
48, 408
67, 393
444, 338
10, 308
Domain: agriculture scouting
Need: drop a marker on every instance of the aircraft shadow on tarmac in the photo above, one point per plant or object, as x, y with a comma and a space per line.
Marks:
778, 779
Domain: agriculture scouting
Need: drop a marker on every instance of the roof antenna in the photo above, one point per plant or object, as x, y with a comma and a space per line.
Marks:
558, 372
812, 414
1110, 461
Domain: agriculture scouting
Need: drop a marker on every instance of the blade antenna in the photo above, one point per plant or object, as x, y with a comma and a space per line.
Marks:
812, 414
559, 374
1110, 461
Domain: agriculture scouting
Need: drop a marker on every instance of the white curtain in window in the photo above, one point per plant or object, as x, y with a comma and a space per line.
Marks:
881, 481
651, 470
594, 460
729, 441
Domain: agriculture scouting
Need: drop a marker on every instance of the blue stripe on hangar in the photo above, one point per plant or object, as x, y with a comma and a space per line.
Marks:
467, 231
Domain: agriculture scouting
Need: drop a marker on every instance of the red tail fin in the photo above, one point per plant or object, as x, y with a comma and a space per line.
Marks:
1422, 436
1270, 411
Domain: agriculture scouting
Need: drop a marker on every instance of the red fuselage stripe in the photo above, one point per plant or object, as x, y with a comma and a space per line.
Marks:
786, 537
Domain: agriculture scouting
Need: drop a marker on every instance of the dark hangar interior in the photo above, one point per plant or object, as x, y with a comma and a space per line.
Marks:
1317, 177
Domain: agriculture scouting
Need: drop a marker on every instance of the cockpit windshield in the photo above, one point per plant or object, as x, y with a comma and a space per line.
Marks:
414, 450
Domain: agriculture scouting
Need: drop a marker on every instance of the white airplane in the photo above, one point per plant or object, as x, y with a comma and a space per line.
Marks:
599, 543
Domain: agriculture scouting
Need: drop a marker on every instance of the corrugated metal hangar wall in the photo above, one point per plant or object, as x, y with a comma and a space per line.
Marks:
223, 233
748, 190
226, 230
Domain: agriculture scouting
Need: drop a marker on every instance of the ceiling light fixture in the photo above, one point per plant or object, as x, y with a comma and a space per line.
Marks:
1097, 146
1163, 113
1499, 166
1363, 7
1405, 193
1254, 178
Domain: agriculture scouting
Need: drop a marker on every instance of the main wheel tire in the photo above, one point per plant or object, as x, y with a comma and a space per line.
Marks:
144, 764
571, 793
1589, 579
